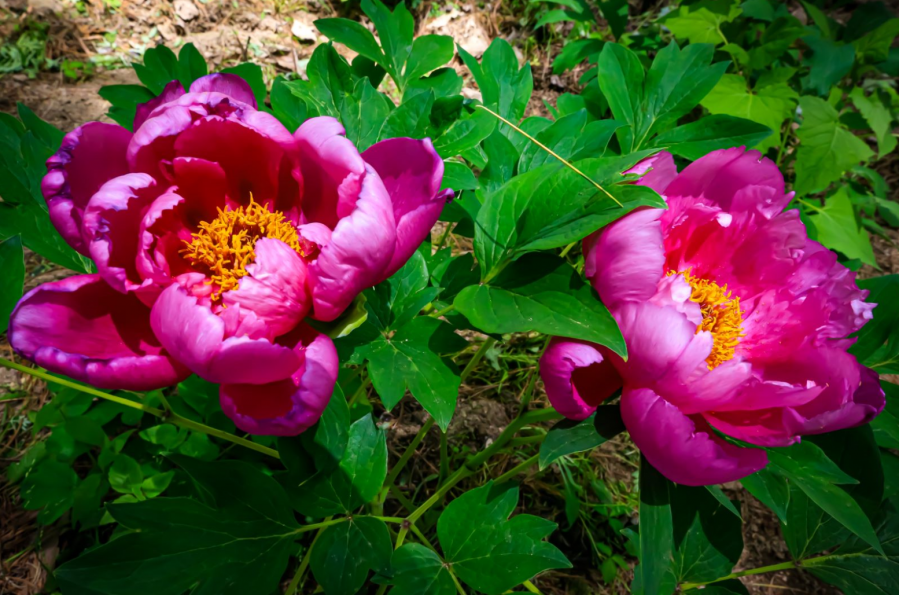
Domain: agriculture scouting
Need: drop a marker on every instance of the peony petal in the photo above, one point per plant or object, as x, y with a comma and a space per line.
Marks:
81, 327
89, 156
196, 336
684, 449
227, 84
290, 406
412, 172
625, 260
360, 249
275, 289
172, 91
661, 168
111, 228
577, 377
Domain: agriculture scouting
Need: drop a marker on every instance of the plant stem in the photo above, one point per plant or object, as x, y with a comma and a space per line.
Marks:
478, 355
442, 240
444, 457
444, 311
761, 570
410, 450
297, 580
516, 469
359, 392
531, 587
168, 416
551, 152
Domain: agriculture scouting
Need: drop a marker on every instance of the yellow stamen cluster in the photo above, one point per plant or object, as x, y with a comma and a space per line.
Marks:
227, 244
721, 316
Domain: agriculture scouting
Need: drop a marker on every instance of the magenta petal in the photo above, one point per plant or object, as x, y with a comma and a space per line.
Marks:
81, 327
681, 451
577, 377
360, 249
625, 260
89, 156
661, 168
287, 407
228, 84
171, 92
412, 172
196, 336
112, 222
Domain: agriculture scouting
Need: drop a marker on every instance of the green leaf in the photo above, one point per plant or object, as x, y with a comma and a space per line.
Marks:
395, 30
125, 475
327, 440
886, 425
827, 149
654, 572
458, 176
574, 52
701, 22
620, 76
776, 40
879, 118
87, 501
191, 65
711, 133
827, 25
49, 488
707, 535
444, 82
464, 133
429, 52
571, 137
252, 74
542, 293
288, 108
411, 359
501, 159
570, 436
489, 551
345, 553
878, 341
124, 100
160, 67
857, 568
238, 542
355, 481
353, 35
769, 105
505, 88
416, 570
411, 119
771, 489
829, 63
839, 229
12, 282
875, 46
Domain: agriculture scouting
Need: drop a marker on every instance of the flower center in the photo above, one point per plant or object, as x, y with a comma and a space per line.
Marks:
721, 316
227, 244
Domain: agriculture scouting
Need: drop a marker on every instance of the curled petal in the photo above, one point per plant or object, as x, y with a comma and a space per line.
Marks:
577, 377
111, 228
684, 449
625, 260
172, 91
197, 337
89, 156
81, 327
227, 84
661, 171
290, 406
412, 172
360, 249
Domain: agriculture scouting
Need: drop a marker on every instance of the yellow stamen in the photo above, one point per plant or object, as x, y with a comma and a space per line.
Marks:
227, 244
721, 316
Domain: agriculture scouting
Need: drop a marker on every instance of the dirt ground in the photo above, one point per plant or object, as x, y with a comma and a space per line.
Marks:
281, 36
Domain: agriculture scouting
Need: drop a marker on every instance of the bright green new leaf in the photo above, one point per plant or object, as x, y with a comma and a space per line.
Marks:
879, 118
839, 229
701, 22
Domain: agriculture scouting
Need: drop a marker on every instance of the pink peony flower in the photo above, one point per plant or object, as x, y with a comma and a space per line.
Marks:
215, 232
734, 320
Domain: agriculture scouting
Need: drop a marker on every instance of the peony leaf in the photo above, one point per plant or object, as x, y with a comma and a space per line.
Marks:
707, 534
571, 137
570, 436
771, 489
345, 553
12, 282
839, 230
429, 52
505, 88
654, 573
416, 570
711, 133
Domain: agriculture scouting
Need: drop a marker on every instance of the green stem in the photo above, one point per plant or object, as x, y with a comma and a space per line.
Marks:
531, 587
444, 311
410, 450
516, 469
444, 457
359, 392
478, 355
761, 570
297, 580
168, 416
442, 240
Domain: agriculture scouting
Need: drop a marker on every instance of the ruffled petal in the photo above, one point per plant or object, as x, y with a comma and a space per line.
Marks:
275, 289
625, 260
111, 228
359, 251
684, 449
81, 327
226, 84
412, 172
661, 168
197, 337
89, 156
171, 92
577, 377
290, 406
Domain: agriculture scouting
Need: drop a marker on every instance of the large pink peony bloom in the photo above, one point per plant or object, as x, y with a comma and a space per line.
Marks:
734, 320
215, 232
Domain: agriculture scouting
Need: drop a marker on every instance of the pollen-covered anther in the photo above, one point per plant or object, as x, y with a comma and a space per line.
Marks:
227, 244
721, 316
